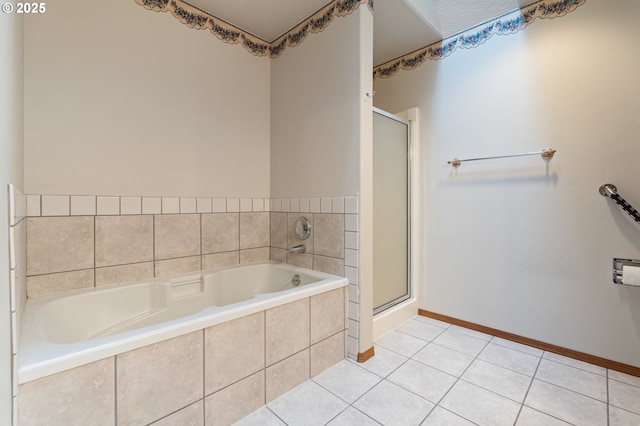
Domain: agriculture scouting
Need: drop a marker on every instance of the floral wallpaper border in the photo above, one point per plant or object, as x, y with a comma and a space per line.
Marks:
199, 19
506, 24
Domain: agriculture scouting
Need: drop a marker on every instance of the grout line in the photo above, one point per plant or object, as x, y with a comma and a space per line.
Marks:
239, 233
621, 381
204, 409
60, 272
418, 337
309, 341
458, 379
273, 412
153, 236
571, 390
526, 394
574, 366
506, 368
95, 247
502, 345
264, 358
608, 406
204, 368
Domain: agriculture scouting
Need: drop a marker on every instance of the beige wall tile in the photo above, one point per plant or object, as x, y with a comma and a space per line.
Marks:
292, 238
83, 205
220, 232
42, 285
279, 230
80, 396
329, 235
122, 240
151, 205
233, 350
330, 265
254, 230
177, 235
59, 244
158, 379
326, 353
254, 255
278, 255
124, 273
219, 260
55, 205
304, 260
182, 265
131, 205
236, 401
192, 415
108, 205
287, 330
327, 314
287, 374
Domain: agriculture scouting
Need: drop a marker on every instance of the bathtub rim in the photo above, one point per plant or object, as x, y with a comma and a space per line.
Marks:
38, 358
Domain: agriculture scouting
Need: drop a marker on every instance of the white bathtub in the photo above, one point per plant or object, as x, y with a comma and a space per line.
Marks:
64, 331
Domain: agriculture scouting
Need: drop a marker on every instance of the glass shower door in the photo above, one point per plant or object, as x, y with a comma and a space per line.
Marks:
391, 207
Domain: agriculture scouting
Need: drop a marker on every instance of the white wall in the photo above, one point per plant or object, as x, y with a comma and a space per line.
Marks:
120, 100
315, 105
512, 245
11, 171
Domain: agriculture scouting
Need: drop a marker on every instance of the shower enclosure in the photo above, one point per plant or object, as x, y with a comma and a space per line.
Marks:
391, 210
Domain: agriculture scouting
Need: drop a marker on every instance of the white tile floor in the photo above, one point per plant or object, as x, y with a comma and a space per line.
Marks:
427, 372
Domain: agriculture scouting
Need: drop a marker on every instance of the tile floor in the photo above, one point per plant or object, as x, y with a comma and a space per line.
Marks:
427, 372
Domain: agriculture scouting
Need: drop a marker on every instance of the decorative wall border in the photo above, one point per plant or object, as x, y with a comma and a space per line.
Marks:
228, 33
509, 23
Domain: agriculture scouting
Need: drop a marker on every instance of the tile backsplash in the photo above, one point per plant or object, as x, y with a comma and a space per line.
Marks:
76, 242
72, 252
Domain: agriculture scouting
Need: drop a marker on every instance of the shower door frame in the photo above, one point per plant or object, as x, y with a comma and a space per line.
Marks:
409, 266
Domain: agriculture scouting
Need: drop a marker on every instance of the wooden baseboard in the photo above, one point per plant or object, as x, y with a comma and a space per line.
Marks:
581, 356
366, 355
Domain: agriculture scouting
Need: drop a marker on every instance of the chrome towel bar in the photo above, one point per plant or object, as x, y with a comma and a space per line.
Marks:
609, 190
546, 154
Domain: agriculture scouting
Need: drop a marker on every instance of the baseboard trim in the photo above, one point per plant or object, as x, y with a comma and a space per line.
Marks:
366, 355
581, 356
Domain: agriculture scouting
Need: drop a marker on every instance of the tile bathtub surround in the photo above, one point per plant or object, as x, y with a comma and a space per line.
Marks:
159, 379
80, 396
332, 247
220, 232
137, 238
223, 367
457, 381
254, 230
213, 376
59, 244
72, 252
287, 330
121, 240
175, 236
325, 247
